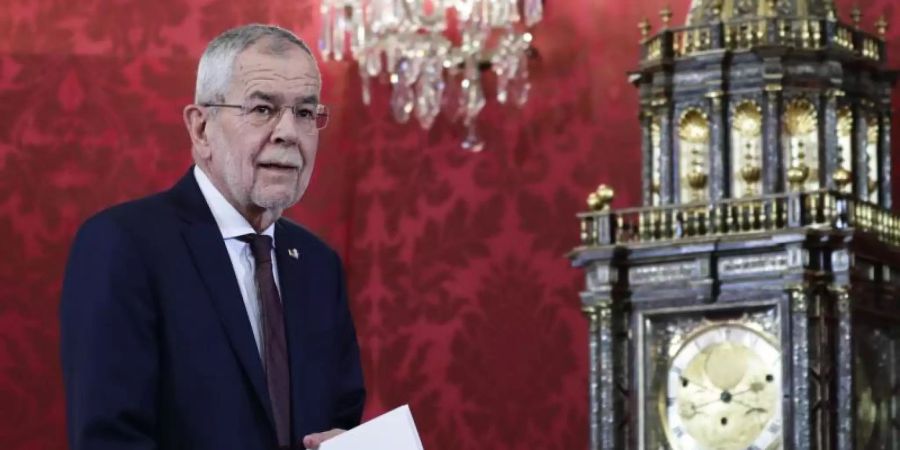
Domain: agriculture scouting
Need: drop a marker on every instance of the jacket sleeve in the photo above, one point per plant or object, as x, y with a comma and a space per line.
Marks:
351, 394
109, 341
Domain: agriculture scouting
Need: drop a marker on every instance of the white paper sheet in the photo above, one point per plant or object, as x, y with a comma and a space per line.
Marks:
394, 430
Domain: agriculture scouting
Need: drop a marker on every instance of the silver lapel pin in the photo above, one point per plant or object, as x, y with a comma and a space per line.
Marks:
293, 253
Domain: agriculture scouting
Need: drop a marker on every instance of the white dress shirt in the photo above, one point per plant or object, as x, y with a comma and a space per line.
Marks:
233, 225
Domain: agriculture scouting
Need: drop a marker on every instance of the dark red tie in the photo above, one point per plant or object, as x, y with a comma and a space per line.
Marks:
274, 344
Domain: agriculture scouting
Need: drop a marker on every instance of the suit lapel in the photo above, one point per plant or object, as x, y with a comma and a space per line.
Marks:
290, 277
210, 255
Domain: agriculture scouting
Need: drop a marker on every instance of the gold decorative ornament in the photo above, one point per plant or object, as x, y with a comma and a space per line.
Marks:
844, 132
715, 9
666, 15
872, 129
872, 144
746, 124
800, 123
881, 26
772, 8
798, 170
751, 172
842, 178
694, 126
723, 389
748, 119
655, 131
693, 129
844, 122
644, 26
600, 199
697, 177
855, 15
593, 201
800, 117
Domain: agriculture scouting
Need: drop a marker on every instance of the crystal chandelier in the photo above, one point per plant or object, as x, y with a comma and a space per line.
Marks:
425, 45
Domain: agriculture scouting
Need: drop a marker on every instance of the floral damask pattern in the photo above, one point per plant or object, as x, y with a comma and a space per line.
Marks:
465, 304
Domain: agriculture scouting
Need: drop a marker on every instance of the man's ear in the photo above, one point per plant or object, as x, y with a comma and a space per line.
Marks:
195, 119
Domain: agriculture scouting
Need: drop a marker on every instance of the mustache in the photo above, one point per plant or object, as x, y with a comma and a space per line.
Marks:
290, 161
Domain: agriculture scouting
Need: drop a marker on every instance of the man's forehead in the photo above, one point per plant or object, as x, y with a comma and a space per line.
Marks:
280, 91
283, 84
294, 66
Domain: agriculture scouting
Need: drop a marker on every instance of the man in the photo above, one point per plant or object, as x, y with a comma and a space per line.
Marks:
198, 318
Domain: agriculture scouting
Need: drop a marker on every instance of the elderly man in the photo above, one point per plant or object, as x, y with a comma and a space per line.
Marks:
199, 318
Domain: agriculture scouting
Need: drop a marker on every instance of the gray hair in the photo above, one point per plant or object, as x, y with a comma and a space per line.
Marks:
217, 61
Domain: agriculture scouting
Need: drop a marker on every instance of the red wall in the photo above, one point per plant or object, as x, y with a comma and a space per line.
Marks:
465, 304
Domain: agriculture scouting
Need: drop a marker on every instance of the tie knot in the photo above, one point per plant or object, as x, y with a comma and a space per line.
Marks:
260, 246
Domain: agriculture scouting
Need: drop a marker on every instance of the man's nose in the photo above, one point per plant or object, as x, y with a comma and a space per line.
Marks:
286, 128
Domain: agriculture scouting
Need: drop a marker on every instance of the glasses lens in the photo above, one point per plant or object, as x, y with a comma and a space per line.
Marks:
259, 114
321, 116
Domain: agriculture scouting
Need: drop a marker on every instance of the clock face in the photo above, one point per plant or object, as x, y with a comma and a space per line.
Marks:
723, 391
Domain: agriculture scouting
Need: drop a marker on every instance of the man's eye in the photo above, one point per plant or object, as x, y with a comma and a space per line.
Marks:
264, 110
304, 113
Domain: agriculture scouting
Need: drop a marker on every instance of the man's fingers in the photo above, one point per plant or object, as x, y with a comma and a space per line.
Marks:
313, 440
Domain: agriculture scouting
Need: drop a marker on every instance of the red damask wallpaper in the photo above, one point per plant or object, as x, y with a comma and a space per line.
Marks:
465, 304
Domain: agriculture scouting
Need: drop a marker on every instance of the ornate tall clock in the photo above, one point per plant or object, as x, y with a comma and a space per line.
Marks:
753, 300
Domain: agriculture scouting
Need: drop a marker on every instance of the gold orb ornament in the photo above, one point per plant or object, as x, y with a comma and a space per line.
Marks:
798, 171
593, 201
644, 26
750, 172
797, 175
606, 195
697, 178
600, 199
666, 15
842, 178
881, 26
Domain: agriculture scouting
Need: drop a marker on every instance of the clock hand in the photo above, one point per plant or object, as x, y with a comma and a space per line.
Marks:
741, 392
728, 397
701, 405
754, 387
751, 408
756, 410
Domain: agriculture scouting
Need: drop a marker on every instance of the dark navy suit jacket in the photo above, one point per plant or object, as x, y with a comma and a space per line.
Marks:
157, 350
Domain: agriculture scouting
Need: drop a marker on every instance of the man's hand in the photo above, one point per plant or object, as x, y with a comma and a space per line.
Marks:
312, 441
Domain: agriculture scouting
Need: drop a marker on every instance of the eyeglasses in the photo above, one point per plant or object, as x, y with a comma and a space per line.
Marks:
310, 118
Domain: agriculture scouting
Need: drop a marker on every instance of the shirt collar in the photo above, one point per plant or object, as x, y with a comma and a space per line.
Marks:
231, 223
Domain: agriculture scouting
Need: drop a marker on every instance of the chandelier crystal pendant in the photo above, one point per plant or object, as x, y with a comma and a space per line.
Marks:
425, 45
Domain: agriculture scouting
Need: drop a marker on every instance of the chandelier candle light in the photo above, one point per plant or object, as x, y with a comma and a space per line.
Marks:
415, 43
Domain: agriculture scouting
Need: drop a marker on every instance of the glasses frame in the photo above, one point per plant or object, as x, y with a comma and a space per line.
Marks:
245, 111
